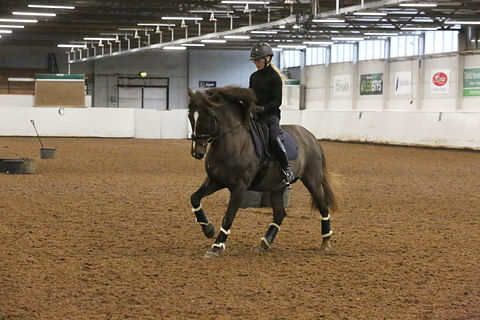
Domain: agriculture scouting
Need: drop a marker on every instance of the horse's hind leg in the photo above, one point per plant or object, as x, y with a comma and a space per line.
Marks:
276, 198
316, 185
208, 187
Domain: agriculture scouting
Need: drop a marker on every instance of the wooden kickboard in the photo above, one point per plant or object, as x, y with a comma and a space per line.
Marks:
54, 90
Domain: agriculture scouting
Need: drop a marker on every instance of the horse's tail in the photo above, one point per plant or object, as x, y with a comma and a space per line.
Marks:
329, 199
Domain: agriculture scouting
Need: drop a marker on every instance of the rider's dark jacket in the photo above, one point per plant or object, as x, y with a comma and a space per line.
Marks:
267, 85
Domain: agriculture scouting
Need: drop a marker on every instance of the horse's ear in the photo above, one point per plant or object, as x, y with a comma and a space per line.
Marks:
190, 93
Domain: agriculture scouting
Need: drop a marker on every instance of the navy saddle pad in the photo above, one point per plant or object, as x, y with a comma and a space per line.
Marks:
263, 146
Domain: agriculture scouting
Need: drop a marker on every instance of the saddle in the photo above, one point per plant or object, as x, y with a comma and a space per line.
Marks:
263, 148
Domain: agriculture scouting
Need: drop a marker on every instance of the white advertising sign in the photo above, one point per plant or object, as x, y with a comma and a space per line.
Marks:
342, 85
403, 83
440, 81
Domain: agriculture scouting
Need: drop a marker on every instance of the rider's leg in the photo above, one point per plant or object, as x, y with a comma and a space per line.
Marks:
274, 126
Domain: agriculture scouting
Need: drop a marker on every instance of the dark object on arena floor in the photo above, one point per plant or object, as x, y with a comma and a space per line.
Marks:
221, 118
17, 166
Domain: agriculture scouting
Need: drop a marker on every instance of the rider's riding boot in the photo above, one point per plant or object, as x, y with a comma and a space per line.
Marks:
287, 170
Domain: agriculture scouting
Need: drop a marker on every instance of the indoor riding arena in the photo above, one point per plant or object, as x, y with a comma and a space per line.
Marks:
107, 109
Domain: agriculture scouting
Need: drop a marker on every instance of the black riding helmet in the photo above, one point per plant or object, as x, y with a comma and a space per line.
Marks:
261, 50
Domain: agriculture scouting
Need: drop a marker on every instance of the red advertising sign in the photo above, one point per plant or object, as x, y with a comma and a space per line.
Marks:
440, 79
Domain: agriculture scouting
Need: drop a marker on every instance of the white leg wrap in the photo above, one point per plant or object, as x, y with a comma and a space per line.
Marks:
275, 225
225, 231
327, 235
197, 209
326, 219
219, 245
203, 223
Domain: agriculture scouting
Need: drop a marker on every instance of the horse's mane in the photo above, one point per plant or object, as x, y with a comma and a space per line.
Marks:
243, 97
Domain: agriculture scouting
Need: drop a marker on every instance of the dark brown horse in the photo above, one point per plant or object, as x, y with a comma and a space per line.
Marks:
220, 118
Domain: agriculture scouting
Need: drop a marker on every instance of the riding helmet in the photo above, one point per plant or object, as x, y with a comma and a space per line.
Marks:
261, 50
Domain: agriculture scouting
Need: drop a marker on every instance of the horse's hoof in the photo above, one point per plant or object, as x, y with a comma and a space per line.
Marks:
213, 253
208, 230
326, 247
262, 248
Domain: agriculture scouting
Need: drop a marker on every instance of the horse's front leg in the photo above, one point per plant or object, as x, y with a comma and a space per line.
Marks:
236, 195
208, 187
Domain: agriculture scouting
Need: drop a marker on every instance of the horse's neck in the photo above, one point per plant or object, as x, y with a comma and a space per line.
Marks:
234, 141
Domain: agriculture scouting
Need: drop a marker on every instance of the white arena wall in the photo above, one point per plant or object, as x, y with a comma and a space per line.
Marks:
415, 117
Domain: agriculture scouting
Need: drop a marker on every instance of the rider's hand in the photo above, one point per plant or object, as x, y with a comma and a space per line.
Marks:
258, 109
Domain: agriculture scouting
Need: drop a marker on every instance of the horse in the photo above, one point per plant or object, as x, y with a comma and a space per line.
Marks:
219, 119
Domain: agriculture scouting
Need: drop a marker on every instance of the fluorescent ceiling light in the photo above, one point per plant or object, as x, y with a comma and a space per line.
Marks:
99, 39
69, 45
461, 22
182, 18
277, 49
193, 44
153, 25
244, 2
214, 41
418, 5
174, 48
381, 34
237, 37
347, 39
263, 32
19, 20
11, 26
369, 13
17, 79
367, 19
329, 20
320, 43
50, 7
40, 14
419, 29
423, 19
291, 46
5, 31
210, 11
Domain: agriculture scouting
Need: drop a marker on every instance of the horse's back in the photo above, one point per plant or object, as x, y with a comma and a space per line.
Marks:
301, 134
308, 146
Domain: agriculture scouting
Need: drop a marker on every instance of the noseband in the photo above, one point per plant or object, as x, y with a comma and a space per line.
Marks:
214, 133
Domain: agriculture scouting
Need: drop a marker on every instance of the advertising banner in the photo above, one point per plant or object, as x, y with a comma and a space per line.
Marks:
471, 82
342, 85
371, 84
440, 81
403, 83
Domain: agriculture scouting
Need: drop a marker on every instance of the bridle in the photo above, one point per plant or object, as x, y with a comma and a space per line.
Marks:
213, 134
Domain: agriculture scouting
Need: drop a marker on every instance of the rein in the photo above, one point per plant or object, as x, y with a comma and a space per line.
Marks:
225, 133
214, 127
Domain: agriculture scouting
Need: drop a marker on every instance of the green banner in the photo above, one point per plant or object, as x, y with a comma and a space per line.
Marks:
59, 76
371, 84
471, 82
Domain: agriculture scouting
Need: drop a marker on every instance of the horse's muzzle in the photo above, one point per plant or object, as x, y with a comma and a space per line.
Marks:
198, 150
198, 156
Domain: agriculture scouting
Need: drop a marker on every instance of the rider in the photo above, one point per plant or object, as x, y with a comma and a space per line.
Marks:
267, 82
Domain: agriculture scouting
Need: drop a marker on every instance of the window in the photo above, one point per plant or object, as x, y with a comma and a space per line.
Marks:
315, 56
342, 52
290, 58
403, 46
441, 41
371, 49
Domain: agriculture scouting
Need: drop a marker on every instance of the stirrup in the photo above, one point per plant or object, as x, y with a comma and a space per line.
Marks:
288, 174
